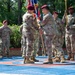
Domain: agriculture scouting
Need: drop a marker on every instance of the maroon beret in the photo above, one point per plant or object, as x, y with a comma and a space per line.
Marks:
71, 7
5, 21
55, 12
44, 6
30, 7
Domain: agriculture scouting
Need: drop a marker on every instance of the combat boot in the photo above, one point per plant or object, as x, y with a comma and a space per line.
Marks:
56, 59
62, 59
28, 61
49, 61
33, 59
7, 54
72, 57
1, 56
24, 60
69, 56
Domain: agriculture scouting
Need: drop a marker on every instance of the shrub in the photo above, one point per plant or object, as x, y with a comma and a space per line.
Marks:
0, 24
15, 36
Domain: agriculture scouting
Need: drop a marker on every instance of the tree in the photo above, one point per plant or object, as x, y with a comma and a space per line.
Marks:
19, 11
12, 10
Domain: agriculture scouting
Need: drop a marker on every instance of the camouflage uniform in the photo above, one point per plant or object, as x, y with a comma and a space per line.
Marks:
49, 28
29, 26
36, 43
70, 35
21, 27
59, 40
0, 47
5, 36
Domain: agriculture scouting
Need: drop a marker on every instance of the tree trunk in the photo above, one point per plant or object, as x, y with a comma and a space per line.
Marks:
19, 12
8, 5
8, 9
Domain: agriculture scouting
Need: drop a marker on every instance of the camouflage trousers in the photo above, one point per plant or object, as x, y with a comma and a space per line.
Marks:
70, 43
5, 45
27, 45
57, 46
35, 46
0, 46
48, 45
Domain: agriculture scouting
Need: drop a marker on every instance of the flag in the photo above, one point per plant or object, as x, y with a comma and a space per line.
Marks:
36, 8
35, 4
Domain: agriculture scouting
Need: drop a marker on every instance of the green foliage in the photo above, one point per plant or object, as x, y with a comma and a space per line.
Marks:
12, 10
57, 5
15, 36
9, 9
0, 24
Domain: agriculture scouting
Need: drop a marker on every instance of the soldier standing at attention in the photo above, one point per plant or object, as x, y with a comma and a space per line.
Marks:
59, 40
49, 30
5, 36
70, 33
0, 46
28, 30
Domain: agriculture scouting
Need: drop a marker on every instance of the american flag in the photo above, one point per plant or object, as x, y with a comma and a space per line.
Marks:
35, 4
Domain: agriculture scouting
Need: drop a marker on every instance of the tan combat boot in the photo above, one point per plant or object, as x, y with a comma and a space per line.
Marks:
62, 59
49, 61
56, 59
33, 59
28, 61
72, 57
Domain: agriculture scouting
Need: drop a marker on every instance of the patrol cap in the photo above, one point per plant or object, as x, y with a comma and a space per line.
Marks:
71, 8
30, 7
45, 6
55, 12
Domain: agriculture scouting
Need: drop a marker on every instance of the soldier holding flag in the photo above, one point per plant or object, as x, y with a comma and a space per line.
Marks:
49, 31
70, 33
29, 26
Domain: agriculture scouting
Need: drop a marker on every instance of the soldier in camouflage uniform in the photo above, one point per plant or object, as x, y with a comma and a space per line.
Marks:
70, 33
34, 51
5, 36
29, 26
58, 40
21, 27
35, 46
49, 30
0, 46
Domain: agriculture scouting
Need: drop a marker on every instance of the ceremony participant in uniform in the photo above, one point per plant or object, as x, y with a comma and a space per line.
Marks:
59, 40
29, 27
70, 33
5, 36
49, 30
0, 46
